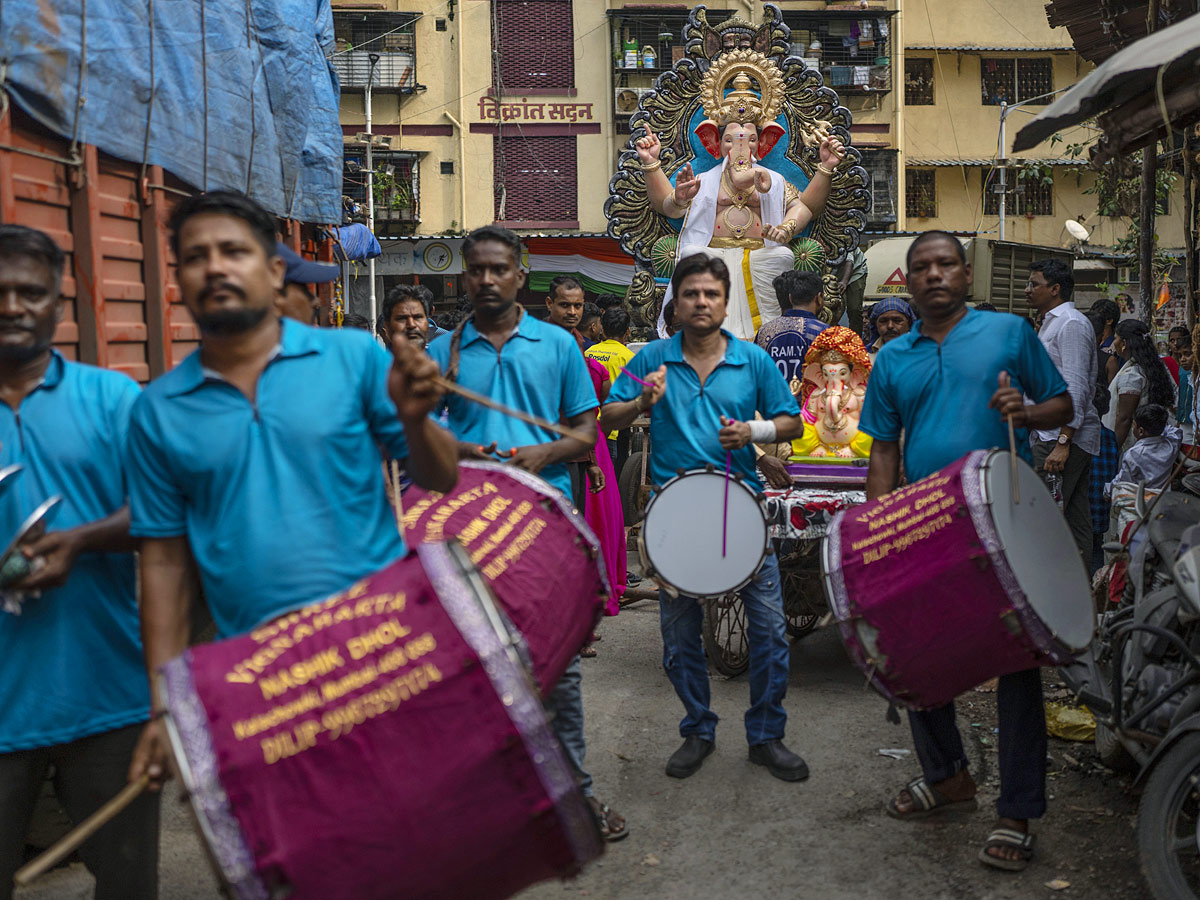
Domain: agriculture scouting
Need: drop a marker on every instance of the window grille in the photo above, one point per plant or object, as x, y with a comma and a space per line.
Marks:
535, 179
397, 192
1015, 80
1024, 196
881, 170
920, 193
854, 54
918, 82
535, 40
379, 32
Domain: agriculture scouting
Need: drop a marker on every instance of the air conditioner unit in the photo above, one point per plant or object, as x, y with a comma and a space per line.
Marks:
625, 100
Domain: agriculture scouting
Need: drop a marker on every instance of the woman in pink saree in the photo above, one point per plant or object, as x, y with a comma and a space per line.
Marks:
603, 509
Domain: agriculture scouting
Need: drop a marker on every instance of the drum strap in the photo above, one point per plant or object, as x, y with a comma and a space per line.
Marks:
451, 373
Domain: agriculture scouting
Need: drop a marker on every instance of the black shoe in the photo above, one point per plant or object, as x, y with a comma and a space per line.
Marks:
779, 760
687, 759
632, 578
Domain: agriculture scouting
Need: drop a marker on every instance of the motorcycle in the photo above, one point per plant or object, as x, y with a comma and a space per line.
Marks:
1141, 680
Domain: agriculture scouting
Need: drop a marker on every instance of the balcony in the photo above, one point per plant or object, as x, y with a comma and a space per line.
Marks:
395, 71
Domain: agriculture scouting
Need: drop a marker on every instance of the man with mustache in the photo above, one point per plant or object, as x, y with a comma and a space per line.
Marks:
503, 352
405, 312
266, 438
889, 319
74, 696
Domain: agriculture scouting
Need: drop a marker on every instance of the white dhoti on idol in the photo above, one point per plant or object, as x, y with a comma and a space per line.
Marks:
753, 265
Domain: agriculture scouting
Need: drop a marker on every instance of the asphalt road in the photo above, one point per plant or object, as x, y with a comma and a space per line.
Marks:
733, 831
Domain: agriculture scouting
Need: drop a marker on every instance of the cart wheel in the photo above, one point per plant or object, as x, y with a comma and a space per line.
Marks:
799, 626
629, 481
725, 639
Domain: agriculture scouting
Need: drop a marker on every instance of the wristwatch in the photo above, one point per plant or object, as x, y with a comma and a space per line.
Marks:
1063, 439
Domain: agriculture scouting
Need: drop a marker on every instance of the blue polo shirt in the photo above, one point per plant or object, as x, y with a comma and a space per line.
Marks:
539, 370
787, 340
71, 663
684, 424
282, 500
938, 394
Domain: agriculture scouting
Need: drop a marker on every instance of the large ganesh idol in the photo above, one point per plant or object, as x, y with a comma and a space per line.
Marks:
741, 151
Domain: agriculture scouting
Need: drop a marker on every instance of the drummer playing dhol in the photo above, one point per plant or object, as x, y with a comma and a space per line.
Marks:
948, 385
706, 386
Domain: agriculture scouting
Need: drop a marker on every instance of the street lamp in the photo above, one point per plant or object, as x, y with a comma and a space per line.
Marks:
1005, 109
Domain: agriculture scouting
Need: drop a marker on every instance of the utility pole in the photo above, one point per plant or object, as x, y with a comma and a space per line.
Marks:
373, 59
1003, 169
1148, 207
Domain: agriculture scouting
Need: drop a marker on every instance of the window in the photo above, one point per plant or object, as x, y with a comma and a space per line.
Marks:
397, 189
1015, 80
379, 32
880, 166
918, 82
447, 167
535, 180
535, 41
920, 193
854, 54
1025, 196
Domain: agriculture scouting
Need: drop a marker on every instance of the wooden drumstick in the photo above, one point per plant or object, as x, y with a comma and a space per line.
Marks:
66, 845
482, 400
1012, 453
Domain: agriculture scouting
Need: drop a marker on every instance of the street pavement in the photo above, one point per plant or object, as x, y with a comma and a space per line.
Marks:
733, 831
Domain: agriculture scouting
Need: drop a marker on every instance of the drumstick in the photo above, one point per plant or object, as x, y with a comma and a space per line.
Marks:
80, 833
725, 511
1012, 453
469, 394
397, 501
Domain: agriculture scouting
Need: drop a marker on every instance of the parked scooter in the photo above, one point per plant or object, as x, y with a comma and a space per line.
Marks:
1141, 680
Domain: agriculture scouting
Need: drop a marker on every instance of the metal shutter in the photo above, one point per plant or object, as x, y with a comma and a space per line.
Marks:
538, 176
535, 40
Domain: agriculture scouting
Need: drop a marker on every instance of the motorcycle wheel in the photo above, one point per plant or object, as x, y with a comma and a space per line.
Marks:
1112, 752
1168, 823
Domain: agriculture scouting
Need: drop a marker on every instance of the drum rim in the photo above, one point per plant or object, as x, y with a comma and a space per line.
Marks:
187, 730
1035, 635
710, 595
447, 567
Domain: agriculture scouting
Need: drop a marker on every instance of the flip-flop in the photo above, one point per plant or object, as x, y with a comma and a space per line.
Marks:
928, 801
588, 652
1008, 838
602, 811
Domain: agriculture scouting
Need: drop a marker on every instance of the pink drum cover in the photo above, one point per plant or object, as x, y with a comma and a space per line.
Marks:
922, 567
539, 556
378, 744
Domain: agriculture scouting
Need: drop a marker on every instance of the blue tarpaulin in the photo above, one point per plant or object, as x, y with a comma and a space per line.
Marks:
234, 95
355, 243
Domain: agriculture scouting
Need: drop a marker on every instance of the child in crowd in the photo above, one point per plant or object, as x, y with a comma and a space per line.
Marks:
1153, 456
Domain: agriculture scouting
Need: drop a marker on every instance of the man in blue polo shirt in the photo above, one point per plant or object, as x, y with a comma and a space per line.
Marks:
788, 338
949, 385
256, 462
505, 353
705, 386
74, 693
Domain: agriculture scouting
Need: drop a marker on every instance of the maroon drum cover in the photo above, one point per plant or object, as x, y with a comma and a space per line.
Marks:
537, 553
383, 743
947, 582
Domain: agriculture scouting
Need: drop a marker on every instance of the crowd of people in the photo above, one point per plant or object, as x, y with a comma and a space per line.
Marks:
269, 439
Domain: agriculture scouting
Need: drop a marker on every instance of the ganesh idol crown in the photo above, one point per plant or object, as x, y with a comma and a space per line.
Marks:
741, 152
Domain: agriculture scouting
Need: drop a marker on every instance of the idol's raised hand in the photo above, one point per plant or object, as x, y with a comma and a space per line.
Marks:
648, 148
832, 152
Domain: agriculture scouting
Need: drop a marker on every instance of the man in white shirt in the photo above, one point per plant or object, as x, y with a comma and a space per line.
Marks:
1070, 340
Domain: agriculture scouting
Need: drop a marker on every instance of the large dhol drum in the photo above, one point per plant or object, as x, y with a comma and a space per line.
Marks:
536, 552
386, 742
704, 534
945, 583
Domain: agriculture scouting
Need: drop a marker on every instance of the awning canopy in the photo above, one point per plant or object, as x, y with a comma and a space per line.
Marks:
1125, 92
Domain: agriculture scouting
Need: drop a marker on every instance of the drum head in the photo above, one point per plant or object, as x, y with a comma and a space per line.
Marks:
682, 533
1041, 552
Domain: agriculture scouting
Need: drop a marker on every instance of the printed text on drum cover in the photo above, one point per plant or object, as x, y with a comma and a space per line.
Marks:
381, 666
904, 517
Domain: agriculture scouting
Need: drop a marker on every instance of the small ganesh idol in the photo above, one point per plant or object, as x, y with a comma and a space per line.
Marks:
835, 382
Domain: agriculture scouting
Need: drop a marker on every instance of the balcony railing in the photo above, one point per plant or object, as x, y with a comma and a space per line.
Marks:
394, 71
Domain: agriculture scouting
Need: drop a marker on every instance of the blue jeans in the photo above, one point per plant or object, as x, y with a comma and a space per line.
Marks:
565, 708
683, 656
1022, 759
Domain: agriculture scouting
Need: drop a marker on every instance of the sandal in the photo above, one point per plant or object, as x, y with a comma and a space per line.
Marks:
604, 814
588, 652
928, 801
1008, 838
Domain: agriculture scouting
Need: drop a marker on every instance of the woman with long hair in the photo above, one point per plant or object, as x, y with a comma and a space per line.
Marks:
1109, 312
1143, 379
